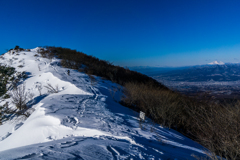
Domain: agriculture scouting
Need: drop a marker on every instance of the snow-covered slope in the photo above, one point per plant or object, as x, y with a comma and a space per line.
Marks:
83, 120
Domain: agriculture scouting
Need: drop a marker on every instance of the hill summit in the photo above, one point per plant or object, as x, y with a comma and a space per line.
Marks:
72, 115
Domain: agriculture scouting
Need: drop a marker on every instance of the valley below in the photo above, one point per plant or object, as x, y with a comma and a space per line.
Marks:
215, 82
203, 82
210, 89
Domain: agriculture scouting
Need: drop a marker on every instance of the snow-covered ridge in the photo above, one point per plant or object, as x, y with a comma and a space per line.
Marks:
82, 120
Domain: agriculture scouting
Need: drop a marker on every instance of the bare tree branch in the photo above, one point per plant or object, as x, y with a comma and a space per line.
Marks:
51, 89
20, 97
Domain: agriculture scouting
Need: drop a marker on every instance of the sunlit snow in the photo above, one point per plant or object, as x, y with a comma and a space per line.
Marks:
83, 120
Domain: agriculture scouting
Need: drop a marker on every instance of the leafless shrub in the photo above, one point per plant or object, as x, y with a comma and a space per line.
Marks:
217, 127
219, 130
51, 89
19, 97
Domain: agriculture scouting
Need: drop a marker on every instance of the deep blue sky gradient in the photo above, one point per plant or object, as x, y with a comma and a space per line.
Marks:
127, 32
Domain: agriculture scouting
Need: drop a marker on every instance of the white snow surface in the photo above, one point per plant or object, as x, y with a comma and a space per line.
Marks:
216, 62
83, 120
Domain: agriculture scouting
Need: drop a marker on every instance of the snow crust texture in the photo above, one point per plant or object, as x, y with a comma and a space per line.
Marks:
83, 120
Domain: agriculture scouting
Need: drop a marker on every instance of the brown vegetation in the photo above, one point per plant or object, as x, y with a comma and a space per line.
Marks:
214, 126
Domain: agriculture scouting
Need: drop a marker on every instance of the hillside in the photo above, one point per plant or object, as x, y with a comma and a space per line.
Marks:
79, 117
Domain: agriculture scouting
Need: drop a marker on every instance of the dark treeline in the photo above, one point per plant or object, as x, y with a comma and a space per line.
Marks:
5, 74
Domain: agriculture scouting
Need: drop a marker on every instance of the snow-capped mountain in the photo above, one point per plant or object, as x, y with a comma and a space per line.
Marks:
216, 62
82, 120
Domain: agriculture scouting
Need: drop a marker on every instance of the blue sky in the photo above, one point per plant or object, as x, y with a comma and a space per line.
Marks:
127, 32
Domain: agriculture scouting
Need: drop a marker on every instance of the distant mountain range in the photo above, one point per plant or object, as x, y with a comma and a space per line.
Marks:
215, 71
217, 79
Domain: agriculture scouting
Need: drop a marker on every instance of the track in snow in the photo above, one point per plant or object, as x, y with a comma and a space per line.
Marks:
83, 121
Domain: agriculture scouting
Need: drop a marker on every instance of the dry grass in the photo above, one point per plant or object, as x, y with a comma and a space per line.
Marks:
158, 104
